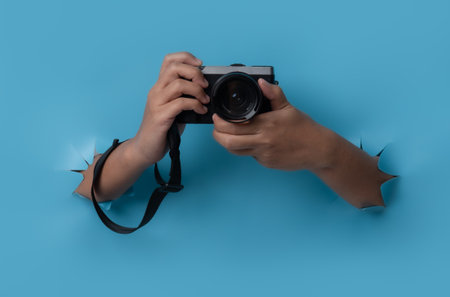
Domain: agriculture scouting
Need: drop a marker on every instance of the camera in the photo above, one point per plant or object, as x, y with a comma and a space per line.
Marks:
234, 92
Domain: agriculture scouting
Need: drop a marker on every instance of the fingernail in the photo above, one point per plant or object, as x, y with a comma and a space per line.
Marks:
198, 61
205, 108
206, 82
208, 99
263, 81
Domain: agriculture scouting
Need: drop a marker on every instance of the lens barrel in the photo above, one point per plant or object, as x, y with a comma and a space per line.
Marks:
236, 97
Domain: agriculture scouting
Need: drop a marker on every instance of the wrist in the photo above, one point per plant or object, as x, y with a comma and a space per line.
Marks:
326, 150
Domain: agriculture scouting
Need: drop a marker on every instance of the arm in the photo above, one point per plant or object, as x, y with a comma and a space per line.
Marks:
179, 75
288, 139
121, 170
353, 174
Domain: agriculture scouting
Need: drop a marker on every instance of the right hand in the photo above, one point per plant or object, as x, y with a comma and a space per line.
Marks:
179, 76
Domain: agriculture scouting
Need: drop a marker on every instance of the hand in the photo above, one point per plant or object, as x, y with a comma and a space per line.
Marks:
284, 138
179, 76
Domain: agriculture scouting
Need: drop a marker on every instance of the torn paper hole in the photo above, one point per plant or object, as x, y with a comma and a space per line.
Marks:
387, 188
81, 159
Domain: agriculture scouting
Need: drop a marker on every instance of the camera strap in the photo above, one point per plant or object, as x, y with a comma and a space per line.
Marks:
173, 185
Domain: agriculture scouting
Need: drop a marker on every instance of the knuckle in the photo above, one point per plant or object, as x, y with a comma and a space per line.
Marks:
270, 124
187, 103
151, 93
178, 103
178, 83
223, 141
266, 155
197, 104
168, 57
198, 72
265, 140
199, 89
267, 159
259, 130
188, 55
228, 143
172, 67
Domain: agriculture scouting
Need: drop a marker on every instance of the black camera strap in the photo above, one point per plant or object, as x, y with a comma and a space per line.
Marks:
173, 185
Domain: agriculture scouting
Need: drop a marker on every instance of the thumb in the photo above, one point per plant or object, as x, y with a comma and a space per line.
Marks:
274, 94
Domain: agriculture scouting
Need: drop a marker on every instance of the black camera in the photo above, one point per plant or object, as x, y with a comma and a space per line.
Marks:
234, 92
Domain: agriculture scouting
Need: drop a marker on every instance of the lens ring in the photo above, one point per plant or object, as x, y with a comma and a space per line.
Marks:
236, 97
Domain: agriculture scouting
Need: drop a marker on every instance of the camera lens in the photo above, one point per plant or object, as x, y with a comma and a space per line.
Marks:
236, 97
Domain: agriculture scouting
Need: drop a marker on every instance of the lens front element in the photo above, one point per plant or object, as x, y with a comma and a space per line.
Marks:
236, 97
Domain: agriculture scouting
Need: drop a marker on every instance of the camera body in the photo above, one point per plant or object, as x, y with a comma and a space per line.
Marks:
234, 92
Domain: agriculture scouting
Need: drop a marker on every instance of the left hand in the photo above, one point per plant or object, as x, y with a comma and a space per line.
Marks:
284, 138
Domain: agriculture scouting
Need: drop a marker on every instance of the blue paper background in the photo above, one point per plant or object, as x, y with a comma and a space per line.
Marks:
76, 73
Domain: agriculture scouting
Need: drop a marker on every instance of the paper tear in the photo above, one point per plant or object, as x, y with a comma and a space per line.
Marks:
106, 205
388, 162
373, 209
387, 184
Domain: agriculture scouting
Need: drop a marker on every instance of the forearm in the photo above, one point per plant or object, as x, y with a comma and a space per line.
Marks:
129, 160
353, 174
121, 170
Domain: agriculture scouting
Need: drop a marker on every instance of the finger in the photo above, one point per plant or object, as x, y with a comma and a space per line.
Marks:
181, 57
180, 70
236, 142
181, 87
174, 107
246, 128
274, 94
244, 152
